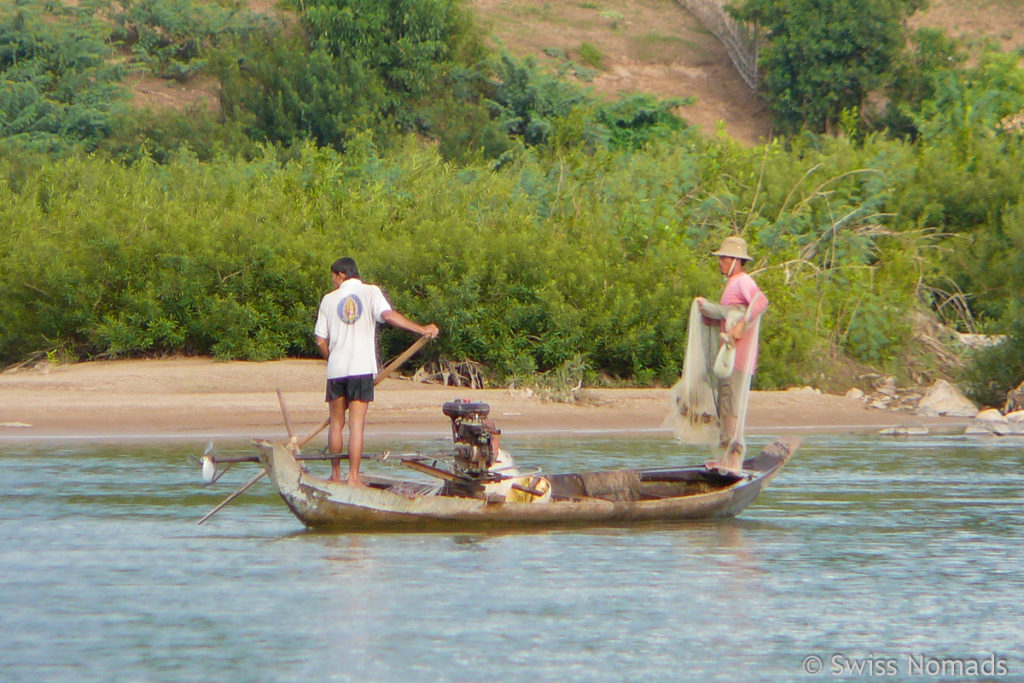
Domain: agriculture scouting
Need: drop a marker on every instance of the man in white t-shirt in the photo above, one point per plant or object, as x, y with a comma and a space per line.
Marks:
346, 328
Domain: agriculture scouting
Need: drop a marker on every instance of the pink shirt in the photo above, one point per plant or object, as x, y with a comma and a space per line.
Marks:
741, 290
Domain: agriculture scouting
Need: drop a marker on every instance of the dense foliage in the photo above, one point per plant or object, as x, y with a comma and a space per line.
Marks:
175, 38
541, 228
58, 85
358, 65
196, 261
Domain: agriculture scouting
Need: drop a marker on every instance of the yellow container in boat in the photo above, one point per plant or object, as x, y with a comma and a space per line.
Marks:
531, 489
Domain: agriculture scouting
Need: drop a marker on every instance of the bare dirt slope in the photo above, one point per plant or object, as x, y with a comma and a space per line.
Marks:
999, 21
651, 46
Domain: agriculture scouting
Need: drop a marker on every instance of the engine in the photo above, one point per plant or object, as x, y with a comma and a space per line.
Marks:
474, 435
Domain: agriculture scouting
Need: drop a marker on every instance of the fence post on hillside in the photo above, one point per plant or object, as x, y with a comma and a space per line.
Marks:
741, 41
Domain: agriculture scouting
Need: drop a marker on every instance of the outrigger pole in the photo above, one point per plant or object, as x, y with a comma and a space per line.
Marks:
232, 459
296, 445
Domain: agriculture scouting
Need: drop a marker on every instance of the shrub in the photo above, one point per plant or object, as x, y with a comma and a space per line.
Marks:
60, 87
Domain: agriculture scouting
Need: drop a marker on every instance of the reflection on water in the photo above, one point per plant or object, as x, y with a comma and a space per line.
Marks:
861, 548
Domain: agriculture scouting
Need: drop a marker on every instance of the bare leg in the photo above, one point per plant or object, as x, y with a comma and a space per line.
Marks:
357, 422
335, 439
732, 450
732, 460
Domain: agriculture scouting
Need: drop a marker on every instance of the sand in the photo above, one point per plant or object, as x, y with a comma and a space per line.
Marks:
200, 398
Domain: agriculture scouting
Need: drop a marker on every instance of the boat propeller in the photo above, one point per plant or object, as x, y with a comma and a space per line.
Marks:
210, 472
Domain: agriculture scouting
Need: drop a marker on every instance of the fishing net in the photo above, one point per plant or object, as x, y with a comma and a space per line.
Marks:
709, 402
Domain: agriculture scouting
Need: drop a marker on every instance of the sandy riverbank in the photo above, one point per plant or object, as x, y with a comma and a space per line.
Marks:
196, 398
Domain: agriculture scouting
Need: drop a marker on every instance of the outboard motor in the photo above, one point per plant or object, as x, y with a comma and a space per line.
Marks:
475, 436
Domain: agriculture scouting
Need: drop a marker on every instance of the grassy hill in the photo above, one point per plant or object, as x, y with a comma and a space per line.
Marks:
619, 47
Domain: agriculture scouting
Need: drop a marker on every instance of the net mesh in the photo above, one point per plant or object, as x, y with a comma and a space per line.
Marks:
710, 407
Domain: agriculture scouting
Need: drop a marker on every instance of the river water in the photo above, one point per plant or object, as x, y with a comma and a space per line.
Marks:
865, 557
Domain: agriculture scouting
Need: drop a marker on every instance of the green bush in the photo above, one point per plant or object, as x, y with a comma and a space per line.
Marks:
229, 258
560, 255
59, 86
993, 371
591, 55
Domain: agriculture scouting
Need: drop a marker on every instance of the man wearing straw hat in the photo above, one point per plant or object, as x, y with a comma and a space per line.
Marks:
737, 318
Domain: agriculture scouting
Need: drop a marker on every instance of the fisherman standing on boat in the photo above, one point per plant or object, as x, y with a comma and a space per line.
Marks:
740, 332
346, 327
710, 400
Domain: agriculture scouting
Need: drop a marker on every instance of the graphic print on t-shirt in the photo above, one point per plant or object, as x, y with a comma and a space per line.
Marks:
350, 309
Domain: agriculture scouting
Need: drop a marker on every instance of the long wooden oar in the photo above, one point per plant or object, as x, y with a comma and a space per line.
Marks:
394, 365
416, 346
284, 411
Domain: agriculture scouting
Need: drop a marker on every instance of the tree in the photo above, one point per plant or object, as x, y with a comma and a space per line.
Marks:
358, 65
825, 56
410, 46
932, 58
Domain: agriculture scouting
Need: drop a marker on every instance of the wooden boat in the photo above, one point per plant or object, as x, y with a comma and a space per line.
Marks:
493, 498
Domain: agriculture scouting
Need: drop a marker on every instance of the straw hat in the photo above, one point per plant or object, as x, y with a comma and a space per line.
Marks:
733, 246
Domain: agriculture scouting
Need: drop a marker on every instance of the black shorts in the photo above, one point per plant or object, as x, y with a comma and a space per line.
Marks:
354, 388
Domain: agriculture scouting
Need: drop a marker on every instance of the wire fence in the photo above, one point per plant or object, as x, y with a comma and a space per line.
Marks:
741, 41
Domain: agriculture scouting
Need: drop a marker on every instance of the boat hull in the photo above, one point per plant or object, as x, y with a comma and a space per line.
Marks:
656, 495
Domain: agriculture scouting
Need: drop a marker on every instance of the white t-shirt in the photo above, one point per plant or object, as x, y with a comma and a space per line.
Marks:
348, 319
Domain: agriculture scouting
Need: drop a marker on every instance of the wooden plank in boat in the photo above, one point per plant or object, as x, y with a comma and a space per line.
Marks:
432, 471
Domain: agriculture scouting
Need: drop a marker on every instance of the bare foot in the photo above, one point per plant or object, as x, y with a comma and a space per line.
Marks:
715, 465
355, 482
732, 459
336, 478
